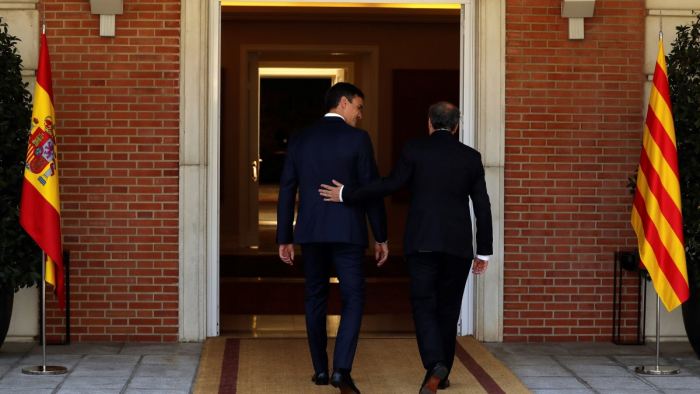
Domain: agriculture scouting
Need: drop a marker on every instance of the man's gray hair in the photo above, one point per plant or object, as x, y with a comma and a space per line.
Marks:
444, 115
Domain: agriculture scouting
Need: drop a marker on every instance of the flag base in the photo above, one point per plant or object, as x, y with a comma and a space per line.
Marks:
657, 370
44, 370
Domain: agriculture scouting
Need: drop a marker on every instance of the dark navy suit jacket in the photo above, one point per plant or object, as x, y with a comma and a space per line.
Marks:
329, 149
444, 175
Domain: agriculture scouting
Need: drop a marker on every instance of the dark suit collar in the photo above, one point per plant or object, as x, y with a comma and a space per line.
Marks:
441, 134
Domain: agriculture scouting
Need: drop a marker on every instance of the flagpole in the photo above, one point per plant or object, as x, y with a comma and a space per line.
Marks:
43, 369
657, 370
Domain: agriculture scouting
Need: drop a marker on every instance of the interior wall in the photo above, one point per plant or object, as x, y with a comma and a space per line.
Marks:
401, 45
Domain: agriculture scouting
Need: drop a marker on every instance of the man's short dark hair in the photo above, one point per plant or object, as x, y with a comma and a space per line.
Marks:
444, 115
340, 90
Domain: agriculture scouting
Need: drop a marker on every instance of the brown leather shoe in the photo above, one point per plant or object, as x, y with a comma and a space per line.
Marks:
435, 376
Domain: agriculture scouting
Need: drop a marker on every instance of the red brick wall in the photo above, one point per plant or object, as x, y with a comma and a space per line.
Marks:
574, 118
117, 103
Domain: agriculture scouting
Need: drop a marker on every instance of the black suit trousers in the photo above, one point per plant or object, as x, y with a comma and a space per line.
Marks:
437, 286
349, 261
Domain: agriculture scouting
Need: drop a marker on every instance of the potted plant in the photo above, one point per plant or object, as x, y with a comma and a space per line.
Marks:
683, 64
19, 254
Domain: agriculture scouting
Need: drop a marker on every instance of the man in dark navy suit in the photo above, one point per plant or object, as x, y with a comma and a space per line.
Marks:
444, 175
331, 147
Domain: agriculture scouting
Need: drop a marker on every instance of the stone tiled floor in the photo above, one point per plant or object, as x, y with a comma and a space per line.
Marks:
567, 368
123, 368
602, 368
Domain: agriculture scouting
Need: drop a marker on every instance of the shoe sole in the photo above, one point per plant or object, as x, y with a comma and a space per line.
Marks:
431, 387
344, 388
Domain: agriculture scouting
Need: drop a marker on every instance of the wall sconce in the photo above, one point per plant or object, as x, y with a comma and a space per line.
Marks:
108, 11
576, 10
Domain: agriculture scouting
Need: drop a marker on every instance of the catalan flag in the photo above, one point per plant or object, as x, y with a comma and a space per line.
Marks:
656, 215
40, 212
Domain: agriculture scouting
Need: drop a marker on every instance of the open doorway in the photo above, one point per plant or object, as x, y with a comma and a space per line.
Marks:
287, 104
400, 58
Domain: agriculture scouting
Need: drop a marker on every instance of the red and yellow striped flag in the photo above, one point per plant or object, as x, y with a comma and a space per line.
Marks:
40, 212
656, 215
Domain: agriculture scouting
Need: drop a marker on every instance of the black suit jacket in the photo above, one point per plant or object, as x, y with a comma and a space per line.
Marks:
329, 149
444, 174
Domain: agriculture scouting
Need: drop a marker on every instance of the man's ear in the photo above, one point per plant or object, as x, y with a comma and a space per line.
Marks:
343, 102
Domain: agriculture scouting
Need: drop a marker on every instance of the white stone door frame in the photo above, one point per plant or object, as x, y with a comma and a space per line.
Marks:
483, 101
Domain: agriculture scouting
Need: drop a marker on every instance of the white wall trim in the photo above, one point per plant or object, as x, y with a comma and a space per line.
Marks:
490, 141
193, 207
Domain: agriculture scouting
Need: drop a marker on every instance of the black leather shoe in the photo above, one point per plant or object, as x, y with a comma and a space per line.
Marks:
433, 379
320, 378
344, 382
445, 383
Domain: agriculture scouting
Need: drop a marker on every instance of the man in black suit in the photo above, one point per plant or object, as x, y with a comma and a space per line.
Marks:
444, 174
331, 232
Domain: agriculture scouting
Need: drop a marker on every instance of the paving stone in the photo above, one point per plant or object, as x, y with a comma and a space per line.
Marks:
26, 391
693, 370
171, 359
94, 382
562, 391
642, 361
82, 348
111, 359
617, 383
671, 391
60, 360
161, 383
104, 369
10, 359
529, 360
540, 370
4, 368
621, 391
551, 383
30, 382
140, 391
192, 349
607, 348
687, 361
682, 372
535, 349
88, 391
674, 382
585, 360
166, 370
585, 370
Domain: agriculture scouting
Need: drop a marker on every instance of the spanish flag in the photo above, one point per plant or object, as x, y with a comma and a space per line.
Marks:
40, 212
656, 215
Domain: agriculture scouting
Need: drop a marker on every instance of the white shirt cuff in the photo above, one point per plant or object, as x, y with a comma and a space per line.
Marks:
341, 193
485, 258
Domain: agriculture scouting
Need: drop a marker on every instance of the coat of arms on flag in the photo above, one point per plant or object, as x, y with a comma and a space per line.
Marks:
41, 153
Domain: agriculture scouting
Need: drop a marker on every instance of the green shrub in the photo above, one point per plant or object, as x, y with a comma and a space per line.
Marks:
19, 255
683, 65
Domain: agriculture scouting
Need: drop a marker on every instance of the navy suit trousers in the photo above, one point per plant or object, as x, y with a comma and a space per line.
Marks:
349, 263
